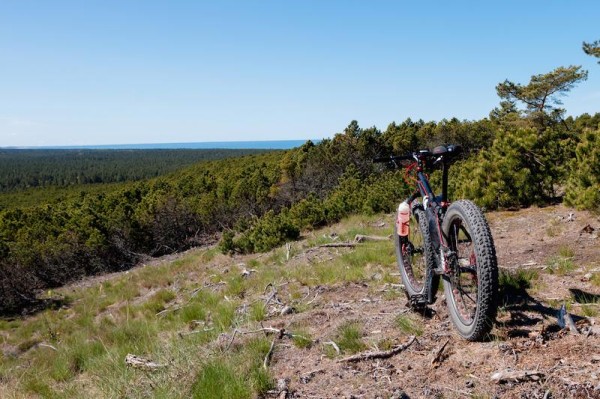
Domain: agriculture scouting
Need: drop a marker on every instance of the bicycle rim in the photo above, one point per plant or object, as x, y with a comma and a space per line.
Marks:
464, 281
411, 253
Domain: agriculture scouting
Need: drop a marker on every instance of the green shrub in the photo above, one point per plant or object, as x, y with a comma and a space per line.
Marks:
583, 184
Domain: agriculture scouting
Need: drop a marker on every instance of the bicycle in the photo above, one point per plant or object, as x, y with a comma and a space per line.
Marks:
453, 241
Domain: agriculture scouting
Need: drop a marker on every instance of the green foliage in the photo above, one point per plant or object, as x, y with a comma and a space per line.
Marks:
21, 169
515, 281
260, 201
592, 49
349, 337
268, 232
560, 265
220, 380
409, 325
583, 185
541, 94
521, 168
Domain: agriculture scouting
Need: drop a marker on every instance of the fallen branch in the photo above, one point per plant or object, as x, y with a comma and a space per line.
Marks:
337, 348
516, 376
141, 363
363, 238
45, 345
379, 355
171, 309
338, 245
269, 354
185, 334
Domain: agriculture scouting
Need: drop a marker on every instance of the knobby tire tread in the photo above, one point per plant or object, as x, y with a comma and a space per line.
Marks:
487, 271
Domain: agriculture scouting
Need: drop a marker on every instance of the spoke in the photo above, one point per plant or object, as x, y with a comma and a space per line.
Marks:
463, 293
468, 236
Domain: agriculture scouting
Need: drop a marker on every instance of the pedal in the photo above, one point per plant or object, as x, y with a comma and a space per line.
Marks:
418, 301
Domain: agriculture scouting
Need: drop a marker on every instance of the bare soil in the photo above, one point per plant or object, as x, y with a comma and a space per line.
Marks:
526, 337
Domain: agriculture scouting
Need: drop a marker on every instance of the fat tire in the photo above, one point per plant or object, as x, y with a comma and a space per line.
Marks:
430, 282
487, 271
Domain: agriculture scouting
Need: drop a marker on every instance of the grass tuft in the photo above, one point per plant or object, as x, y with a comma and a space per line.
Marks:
218, 379
349, 337
560, 265
408, 325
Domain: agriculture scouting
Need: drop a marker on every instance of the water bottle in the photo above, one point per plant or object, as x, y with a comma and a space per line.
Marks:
402, 223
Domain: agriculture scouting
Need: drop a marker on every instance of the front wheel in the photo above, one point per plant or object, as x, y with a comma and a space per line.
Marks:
471, 286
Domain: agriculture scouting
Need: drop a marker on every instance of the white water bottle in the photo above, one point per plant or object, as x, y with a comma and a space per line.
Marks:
402, 222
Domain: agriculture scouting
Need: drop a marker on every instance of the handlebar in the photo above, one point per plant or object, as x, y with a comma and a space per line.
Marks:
392, 158
438, 153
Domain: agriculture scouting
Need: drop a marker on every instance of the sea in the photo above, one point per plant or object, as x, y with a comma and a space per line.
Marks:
266, 145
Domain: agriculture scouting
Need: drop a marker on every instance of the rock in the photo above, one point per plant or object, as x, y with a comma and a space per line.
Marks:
287, 310
587, 229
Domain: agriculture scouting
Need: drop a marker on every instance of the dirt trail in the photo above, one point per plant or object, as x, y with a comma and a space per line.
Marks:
526, 337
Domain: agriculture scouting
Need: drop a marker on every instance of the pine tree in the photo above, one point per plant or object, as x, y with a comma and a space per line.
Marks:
583, 185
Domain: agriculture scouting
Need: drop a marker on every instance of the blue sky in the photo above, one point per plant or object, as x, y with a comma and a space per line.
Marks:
114, 72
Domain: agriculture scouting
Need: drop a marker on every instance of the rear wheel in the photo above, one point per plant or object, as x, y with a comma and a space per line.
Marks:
416, 258
471, 287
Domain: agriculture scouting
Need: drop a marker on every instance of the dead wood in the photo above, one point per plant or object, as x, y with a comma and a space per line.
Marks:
438, 357
379, 355
269, 354
516, 376
141, 363
44, 345
283, 387
363, 238
337, 348
338, 245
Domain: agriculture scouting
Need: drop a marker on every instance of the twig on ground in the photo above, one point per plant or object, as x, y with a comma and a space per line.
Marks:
438, 357
379, 355
171, 309
269, 354
235, 331
337, 348
185, 334
312, 300
45, 345
141, 363
516, 376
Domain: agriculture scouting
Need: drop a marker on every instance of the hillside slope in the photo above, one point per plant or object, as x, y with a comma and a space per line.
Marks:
236, 327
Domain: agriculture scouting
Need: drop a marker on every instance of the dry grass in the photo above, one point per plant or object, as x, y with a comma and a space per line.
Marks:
174, 313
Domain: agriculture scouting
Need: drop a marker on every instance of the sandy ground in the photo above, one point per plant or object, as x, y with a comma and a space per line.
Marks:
526, 337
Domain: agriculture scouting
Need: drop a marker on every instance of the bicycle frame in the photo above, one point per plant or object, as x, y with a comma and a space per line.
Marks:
435, 206
449, 240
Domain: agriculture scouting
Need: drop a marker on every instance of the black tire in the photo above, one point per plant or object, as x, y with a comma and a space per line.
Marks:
416, 257
471, 288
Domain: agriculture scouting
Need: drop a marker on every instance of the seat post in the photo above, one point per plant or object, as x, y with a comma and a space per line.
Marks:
445, 168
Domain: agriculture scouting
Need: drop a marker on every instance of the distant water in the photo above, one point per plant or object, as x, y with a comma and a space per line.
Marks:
267, 145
